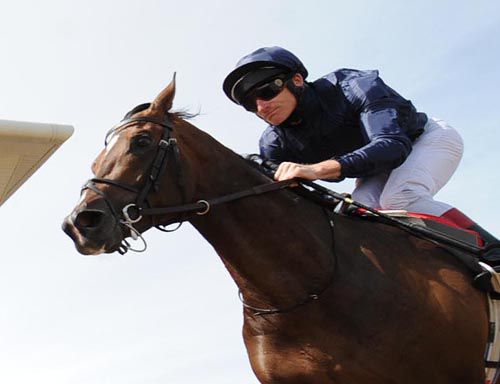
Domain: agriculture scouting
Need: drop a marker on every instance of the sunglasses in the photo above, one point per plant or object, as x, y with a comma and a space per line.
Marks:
265, 91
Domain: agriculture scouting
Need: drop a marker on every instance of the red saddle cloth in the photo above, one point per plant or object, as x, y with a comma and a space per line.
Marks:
440, 224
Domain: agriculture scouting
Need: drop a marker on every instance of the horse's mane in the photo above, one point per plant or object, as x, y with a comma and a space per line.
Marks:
184, 114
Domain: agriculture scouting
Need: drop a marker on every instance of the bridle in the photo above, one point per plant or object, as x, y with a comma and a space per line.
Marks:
167, 147
134, 212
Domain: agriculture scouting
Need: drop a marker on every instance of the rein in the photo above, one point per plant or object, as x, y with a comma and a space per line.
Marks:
202, 207
167, 148
133, 212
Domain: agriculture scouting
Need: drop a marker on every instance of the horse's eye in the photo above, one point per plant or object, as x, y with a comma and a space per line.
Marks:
142, 141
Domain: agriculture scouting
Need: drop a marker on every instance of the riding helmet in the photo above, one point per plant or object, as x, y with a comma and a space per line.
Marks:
258, 67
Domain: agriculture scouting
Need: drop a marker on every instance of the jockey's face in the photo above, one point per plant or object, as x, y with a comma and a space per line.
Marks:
276, 110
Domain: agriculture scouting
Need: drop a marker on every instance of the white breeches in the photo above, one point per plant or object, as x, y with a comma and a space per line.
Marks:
433, 160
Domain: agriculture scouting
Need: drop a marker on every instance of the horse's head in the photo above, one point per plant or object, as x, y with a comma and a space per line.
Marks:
139, 154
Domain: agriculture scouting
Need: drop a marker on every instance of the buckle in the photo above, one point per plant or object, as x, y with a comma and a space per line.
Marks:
166, 143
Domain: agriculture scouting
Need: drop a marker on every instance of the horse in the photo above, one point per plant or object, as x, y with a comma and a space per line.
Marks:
326, 298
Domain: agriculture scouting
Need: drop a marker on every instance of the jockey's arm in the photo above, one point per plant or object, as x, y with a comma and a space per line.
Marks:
325, 170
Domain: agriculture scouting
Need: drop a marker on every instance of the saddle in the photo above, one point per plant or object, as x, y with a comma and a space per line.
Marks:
435, 223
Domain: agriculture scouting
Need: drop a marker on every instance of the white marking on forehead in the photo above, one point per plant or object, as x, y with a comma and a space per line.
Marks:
112, 142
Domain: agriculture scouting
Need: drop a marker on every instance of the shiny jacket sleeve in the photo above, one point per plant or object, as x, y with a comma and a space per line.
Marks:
271, 146
380, 109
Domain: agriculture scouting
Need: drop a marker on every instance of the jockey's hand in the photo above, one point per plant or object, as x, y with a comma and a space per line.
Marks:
328, 169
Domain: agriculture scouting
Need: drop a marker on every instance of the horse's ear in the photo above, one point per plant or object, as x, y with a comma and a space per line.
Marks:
163, 102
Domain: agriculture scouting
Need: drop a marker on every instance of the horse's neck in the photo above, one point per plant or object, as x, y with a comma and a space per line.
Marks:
271, 246
277, 247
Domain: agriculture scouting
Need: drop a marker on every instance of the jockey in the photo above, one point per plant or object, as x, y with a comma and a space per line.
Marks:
349, 123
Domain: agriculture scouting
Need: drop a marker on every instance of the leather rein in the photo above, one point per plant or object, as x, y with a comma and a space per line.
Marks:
134, 212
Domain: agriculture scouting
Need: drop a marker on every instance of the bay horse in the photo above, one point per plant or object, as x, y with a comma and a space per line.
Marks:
363, 302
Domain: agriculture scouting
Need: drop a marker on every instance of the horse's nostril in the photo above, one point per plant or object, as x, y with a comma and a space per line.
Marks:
88, 219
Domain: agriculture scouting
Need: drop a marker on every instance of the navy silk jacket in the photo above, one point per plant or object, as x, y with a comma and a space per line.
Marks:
351, 116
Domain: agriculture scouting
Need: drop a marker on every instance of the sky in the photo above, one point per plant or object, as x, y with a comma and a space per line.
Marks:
171, 314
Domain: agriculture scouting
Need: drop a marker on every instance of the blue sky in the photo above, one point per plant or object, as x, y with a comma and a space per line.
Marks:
172, 314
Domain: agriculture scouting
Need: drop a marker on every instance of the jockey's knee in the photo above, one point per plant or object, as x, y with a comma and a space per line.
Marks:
400, 199
413, 201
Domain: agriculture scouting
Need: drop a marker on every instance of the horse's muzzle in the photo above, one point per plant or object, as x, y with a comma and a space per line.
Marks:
94, 231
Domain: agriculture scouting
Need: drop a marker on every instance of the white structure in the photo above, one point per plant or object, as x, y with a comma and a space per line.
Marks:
24, 147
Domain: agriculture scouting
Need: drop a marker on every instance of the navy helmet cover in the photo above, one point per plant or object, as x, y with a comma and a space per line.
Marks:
266, 57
